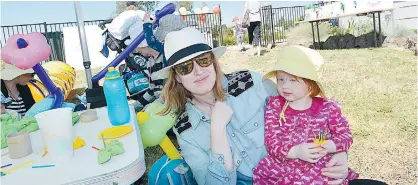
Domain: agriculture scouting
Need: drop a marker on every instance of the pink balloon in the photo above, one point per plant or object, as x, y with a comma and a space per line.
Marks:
36, 51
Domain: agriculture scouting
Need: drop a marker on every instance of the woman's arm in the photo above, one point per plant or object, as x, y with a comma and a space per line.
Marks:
207, 169
220, 117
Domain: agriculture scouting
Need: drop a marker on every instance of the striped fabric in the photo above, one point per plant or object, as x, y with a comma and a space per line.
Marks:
17, 105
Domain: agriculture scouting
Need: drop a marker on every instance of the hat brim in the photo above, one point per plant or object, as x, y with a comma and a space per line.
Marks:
163, 73
273, 73
10, 74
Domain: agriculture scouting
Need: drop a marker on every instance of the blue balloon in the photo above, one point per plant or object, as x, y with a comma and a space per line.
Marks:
50, 86
21, 43
168, 9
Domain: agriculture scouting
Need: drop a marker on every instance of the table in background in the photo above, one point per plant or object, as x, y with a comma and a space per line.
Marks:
362, 13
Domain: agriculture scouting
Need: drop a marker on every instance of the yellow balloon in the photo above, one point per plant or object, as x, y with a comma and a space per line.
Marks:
142, 117
169, 148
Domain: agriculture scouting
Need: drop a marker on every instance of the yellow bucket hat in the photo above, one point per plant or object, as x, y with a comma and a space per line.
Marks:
299, 61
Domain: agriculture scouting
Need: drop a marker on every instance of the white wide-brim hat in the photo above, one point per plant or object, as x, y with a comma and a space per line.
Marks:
183, 45
10, 72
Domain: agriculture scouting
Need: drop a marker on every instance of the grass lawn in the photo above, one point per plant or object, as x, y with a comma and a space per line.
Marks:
377, 89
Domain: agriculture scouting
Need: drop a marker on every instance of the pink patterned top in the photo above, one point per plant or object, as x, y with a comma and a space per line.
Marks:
299, 127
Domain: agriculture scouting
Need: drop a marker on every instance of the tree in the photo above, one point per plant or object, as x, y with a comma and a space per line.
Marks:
148, 6
186, 4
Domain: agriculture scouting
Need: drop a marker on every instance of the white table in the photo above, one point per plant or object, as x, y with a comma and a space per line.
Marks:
83, 168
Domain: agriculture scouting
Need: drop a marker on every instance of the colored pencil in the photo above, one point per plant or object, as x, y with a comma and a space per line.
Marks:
44, 166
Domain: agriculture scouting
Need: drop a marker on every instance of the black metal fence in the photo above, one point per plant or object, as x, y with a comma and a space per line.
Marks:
209, 24
275, 22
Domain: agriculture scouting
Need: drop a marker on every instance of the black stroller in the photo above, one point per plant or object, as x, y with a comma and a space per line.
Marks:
136, 71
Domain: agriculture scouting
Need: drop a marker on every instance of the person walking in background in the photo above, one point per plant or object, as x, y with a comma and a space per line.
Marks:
253, 9
239, 33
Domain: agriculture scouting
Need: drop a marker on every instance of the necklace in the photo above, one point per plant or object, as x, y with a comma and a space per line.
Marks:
205, 103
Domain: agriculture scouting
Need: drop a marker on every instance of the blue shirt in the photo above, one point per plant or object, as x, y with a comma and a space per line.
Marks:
153, 42
247, 94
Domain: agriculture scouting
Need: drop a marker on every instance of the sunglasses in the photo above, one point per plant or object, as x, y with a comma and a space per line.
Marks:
186, 68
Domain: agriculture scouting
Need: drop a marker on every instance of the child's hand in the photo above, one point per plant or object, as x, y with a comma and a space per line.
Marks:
148, 52
309, 152
147, 18
330, 146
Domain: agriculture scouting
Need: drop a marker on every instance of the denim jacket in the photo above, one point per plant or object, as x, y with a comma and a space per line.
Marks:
246, 96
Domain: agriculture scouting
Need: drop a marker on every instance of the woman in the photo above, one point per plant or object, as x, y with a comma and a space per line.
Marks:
220, 125
254, 32
14, 88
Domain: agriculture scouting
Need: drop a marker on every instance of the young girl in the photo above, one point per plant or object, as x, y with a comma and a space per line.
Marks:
239, 33
302, 131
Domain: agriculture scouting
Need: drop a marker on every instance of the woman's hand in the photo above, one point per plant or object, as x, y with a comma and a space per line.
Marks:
147, 18
221, 114
336, 168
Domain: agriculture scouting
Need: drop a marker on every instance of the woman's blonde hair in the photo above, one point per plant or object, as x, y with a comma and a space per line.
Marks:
175, 95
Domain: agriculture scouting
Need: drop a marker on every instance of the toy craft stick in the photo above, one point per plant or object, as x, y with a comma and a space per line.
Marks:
104, 143
44, 166
6, 165
17, 167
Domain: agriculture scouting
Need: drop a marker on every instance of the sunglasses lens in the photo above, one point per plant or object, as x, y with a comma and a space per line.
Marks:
184, 68
187, 67
205, 61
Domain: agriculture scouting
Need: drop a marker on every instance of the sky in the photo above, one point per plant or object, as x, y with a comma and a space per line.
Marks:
30, 12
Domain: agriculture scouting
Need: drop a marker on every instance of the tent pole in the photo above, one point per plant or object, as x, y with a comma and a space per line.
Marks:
83, 41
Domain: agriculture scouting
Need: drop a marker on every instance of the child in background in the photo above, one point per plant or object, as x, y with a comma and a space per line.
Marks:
296, 118
239, 33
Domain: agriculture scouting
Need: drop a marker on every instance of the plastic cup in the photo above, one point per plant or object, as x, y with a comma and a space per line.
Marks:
58, 133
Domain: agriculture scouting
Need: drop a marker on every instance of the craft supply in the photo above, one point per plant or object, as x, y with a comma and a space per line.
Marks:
44, 166
114, 148
19, 145
95, 148
320, 138
104, 143
17, 167
58, 136
6, 165
78, 143
46, 152
116, 132
88, 116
